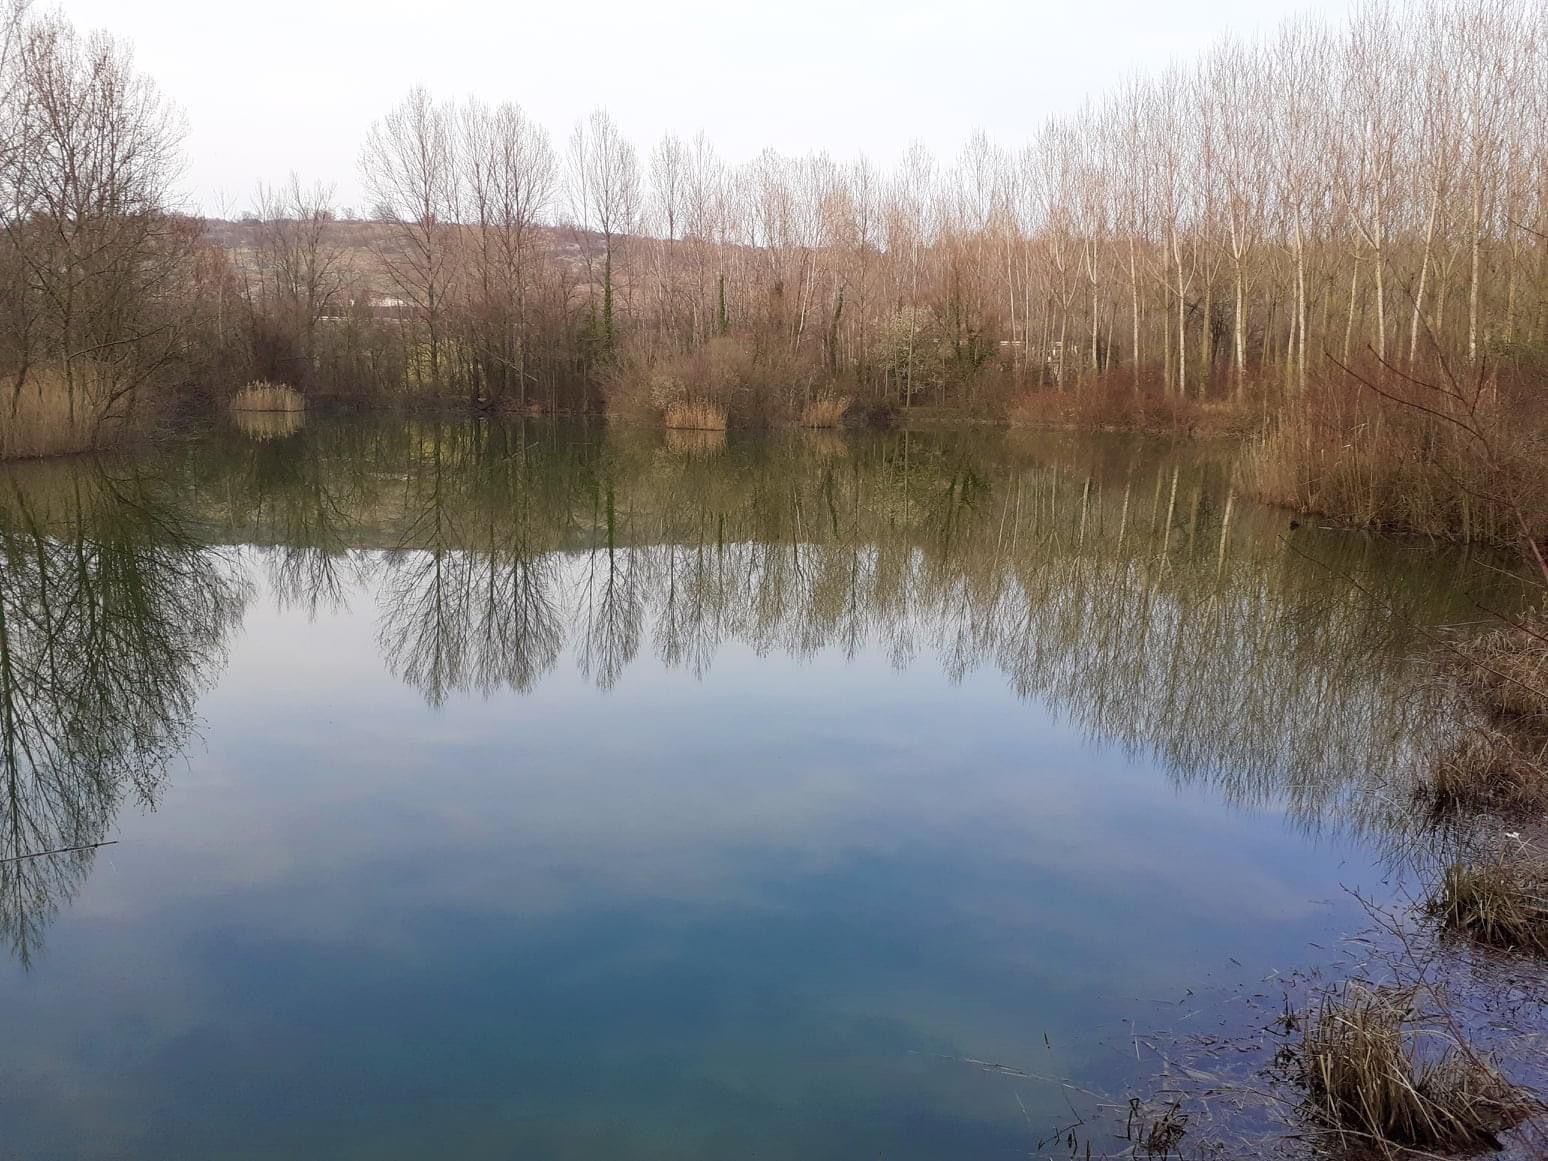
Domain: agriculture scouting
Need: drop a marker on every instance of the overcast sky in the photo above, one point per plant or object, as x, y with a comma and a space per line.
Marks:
287, 85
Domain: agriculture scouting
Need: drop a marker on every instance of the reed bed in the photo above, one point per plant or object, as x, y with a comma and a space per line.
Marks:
39, 419
1379, 449
828, 412
266, 425
263, 396
692, 416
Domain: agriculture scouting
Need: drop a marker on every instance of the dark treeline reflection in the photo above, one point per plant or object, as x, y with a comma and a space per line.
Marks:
113, 618
1119, 580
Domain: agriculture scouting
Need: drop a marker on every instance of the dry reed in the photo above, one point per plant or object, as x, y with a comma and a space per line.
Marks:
39, 419
1488, 771
1379, 1076
1499, 764
695, 441
262, 396
692, 416
267, 424
1381, 451
828, 412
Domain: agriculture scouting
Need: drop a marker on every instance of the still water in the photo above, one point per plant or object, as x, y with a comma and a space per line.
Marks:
484, 791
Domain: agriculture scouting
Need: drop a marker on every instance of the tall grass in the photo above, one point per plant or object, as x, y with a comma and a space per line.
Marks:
40, 418
263, 396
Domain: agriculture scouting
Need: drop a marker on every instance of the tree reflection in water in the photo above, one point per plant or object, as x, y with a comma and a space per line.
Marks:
1120, 582
113, 619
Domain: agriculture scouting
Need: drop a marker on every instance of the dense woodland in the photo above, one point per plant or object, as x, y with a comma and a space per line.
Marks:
1226, 231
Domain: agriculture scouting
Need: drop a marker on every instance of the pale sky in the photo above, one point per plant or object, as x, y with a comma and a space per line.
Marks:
278, 85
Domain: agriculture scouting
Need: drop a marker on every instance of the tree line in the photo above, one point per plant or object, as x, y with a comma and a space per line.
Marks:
1374, 189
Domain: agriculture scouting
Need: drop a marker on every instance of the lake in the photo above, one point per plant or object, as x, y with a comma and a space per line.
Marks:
540, 790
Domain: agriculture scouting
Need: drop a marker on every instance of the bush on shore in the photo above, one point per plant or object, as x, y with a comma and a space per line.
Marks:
748, 384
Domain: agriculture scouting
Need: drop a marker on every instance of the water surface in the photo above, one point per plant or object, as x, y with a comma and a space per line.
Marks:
496, 791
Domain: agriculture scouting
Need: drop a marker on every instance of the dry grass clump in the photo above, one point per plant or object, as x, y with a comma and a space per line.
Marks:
1487, 771
1499, 764
828, 412
1507, 671
262, 396
695, 416
39, 419
1502, 902
1379, 1076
